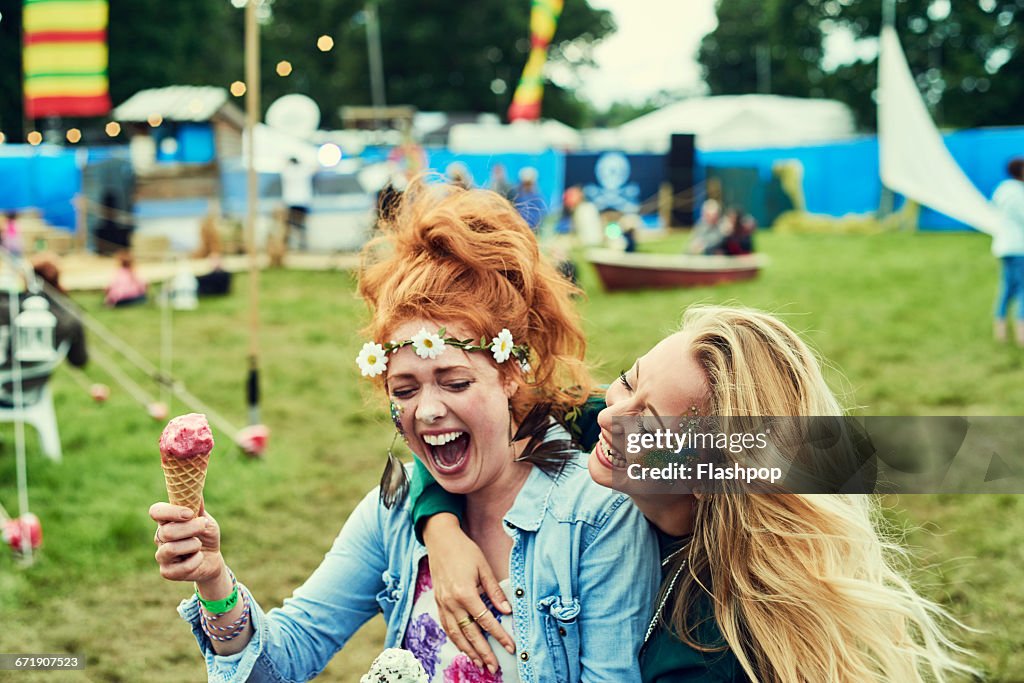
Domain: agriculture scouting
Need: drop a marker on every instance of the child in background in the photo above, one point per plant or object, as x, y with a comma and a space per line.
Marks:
127, 287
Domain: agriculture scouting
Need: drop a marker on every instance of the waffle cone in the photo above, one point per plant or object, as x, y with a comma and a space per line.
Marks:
185, 478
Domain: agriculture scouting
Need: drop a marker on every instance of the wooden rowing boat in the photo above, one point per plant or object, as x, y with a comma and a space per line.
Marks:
620, 270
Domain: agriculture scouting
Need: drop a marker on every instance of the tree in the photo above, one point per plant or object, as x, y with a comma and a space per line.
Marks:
966, 55
437, 55
10, 70
763, 46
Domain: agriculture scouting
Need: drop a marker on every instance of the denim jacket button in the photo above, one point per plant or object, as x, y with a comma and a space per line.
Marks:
520, 592
524, 656
561, 631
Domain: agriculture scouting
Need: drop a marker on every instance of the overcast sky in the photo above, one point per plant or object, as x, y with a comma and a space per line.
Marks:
656, 45
654, 48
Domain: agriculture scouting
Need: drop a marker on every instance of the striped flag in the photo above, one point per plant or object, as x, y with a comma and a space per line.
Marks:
527, 98
65, 58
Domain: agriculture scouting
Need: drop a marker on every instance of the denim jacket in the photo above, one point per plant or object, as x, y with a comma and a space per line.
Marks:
583, 567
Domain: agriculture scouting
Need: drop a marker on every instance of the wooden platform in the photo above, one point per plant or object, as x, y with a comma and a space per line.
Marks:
89, 272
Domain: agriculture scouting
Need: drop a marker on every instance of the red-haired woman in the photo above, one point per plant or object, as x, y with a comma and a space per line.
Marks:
473, 337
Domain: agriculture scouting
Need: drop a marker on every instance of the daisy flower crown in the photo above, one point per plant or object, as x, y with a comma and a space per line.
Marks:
373, 358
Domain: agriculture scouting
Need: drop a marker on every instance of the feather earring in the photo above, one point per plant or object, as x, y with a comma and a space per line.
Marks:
394, 483
511, 436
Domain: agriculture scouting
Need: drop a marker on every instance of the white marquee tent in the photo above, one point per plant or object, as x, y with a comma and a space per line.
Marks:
739, 122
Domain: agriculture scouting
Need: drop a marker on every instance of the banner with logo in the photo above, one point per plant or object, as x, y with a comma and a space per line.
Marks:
614, 181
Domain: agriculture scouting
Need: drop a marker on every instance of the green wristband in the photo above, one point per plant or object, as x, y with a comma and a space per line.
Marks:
220, 606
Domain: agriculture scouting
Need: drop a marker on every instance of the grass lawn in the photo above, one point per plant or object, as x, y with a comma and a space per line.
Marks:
903, 319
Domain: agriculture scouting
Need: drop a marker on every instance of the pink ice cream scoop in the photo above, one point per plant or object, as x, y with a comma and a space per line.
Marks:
185, 447
186, 436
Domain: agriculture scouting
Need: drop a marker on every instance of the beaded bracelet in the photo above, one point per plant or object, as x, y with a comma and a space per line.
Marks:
236, 628
218, 607
233, 625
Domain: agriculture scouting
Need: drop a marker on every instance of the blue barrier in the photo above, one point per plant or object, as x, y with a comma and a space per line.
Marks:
43, 177
842, 177
550, 167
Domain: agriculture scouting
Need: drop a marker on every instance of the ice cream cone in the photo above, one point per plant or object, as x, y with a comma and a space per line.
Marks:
185, 447
185, 478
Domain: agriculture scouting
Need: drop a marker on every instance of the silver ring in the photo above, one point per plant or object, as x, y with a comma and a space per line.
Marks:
156, 536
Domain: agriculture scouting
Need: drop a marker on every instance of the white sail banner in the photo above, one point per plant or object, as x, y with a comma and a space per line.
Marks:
914, 160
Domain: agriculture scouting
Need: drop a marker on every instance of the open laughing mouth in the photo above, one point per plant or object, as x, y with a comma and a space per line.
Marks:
608, 455
448, 451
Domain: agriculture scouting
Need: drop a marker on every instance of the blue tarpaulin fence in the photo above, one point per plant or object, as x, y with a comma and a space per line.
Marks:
842, 177
838, 178
43, 177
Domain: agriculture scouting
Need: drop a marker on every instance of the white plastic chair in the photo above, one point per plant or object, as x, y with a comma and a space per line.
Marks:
36, 406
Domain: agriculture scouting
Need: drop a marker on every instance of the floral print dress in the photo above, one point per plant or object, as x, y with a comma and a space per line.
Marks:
443, 662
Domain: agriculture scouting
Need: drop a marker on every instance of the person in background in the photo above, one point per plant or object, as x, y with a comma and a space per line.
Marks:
209, 231
126, 287
69, 324
217, 282
630, 222
707, 234
529, 201
297, 193
1008, 247
584, 216
739, 238
499, 182
11, 238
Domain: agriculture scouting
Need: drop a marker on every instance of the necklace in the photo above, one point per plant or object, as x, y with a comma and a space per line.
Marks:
671, 586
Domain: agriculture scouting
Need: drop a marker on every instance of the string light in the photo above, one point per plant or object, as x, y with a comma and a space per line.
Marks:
113, 129
238, 88
284, 67
74, 135
155, 120
325, 43
34, 138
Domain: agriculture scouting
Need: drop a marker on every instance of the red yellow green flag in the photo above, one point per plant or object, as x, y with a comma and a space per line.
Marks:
65, 58
526, 100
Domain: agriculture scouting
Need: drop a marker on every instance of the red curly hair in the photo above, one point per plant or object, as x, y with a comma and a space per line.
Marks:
467, 258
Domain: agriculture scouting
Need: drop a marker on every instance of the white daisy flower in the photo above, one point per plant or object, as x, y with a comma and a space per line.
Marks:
427, 344
372, 360
501, 346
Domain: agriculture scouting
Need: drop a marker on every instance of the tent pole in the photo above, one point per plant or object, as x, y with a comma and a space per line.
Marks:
888, 12
252, 111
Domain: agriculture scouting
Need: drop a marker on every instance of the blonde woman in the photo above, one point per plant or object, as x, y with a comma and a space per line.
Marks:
783, 588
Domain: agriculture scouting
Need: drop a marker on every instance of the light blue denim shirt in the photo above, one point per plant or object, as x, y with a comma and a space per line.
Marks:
584, 573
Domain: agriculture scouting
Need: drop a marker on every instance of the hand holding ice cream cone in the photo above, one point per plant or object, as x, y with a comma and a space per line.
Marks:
188, 538
188, 546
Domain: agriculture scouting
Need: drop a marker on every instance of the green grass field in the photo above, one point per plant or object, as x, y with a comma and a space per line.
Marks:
903, 319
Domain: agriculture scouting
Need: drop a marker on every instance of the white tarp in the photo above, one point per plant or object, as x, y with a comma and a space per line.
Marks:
913, 159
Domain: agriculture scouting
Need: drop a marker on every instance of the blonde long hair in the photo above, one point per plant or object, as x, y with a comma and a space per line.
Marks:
804, 587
